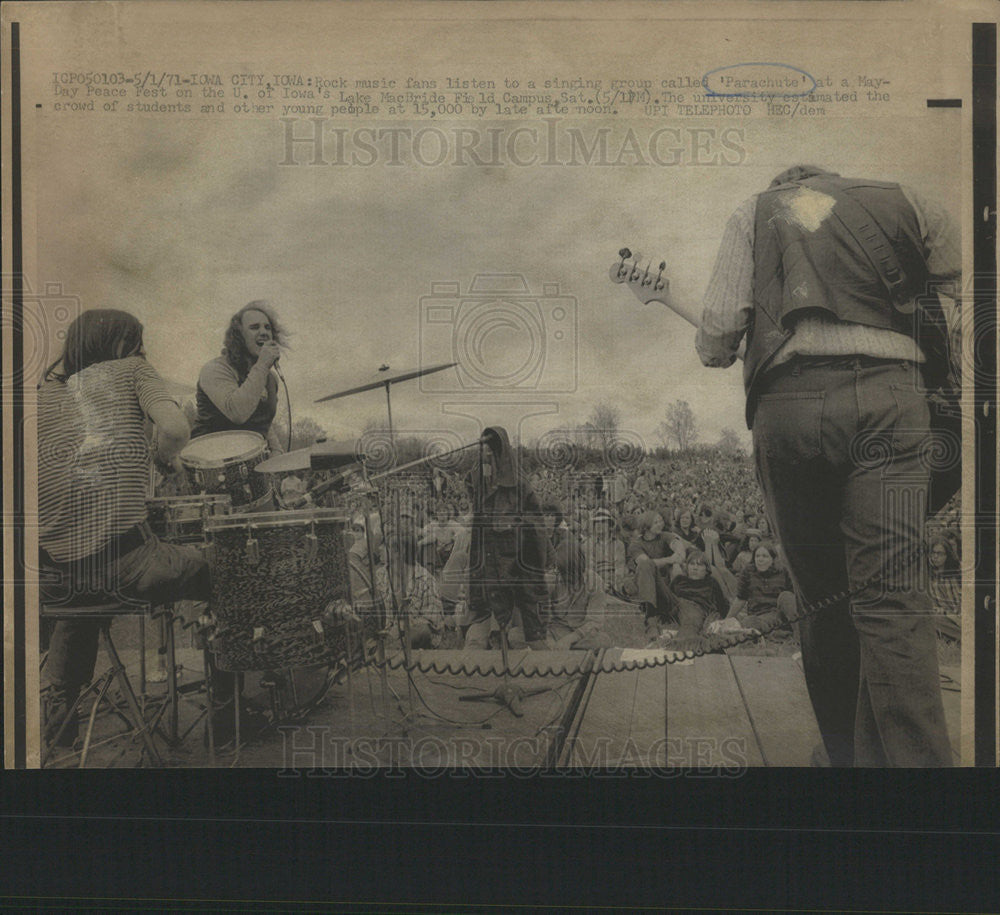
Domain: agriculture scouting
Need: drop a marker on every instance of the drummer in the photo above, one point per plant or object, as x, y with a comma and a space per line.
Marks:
238, 389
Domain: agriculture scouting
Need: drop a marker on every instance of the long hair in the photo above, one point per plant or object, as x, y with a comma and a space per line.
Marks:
692, 529
99, 335
951, 563
234, 347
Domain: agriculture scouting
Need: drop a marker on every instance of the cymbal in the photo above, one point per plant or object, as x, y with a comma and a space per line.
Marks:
385, 376
319, 456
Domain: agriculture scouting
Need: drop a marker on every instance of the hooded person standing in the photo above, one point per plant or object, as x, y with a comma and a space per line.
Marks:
507, 555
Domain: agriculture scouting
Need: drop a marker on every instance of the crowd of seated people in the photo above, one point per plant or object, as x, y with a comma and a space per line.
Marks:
682, 537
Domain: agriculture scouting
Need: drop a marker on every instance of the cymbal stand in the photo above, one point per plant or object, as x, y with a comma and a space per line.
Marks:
376, 604
402, 616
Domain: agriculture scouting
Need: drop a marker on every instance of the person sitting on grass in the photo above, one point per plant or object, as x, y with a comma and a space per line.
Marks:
698, 599
418, 596
764, 596
748, 546
654, 554
577, 599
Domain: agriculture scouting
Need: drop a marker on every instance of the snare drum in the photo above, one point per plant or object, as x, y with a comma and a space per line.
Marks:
280, 590
222, 463
181, 519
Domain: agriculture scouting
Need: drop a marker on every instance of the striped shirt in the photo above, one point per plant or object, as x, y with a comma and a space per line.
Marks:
94, 455
728, 303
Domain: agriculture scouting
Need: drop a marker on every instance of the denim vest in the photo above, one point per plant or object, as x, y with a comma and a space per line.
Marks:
806, 261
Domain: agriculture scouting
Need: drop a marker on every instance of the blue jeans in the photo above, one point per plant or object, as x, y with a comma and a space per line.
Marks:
156, 572
839, 448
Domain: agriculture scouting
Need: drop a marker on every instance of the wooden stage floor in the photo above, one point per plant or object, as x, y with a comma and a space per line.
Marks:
728, 711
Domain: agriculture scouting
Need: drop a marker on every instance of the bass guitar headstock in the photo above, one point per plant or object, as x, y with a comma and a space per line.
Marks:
645, 285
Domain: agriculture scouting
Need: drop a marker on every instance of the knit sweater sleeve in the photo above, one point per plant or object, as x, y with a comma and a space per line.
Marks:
218, 379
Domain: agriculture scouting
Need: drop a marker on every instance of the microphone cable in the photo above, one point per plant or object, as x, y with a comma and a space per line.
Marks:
288, 404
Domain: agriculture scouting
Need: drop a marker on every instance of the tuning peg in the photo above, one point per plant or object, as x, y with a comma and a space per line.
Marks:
658, 285
634, 273
645, 277
623, 253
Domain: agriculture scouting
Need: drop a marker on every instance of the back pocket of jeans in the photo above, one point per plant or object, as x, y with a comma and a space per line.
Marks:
789, 425
911, 427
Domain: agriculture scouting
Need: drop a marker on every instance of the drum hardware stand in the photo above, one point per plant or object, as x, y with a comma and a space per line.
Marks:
175, 691
383, 634
202, 627
404, 614
383, 666
142, 661
272, 681
350, 679
209, 699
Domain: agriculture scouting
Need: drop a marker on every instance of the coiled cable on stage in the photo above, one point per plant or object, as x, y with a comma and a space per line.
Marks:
665, 656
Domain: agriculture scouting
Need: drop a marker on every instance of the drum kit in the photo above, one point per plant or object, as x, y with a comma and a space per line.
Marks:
281, 596
281, 588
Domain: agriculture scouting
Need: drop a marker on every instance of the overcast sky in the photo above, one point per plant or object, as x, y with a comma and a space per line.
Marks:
183, 221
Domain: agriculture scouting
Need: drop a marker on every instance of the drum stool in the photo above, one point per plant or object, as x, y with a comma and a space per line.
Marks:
102, 608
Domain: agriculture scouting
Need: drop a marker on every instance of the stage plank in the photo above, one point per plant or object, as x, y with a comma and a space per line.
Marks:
707, 722
623, 723
776, 699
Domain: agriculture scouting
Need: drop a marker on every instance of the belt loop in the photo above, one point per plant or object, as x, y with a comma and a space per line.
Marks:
796, 368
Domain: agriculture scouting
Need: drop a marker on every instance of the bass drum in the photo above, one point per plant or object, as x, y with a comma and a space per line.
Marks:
222, 463
281, 593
